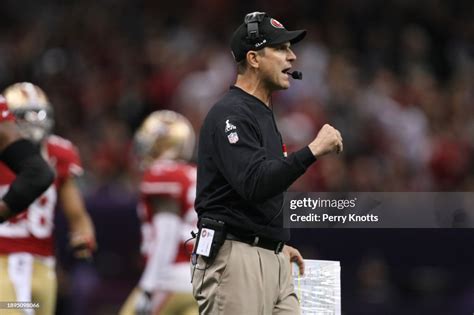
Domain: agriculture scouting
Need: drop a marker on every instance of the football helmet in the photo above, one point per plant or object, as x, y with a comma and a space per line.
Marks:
32, 110
165, 134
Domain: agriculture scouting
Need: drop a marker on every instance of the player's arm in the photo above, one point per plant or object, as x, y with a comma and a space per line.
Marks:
166, 225
82, 233
33, 174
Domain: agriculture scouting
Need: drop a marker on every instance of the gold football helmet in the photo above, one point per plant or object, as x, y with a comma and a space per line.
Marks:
32, 109
164, 134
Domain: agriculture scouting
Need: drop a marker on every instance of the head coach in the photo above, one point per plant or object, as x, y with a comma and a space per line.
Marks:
241, 263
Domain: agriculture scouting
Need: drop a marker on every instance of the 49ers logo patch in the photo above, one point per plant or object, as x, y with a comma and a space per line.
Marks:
276, 24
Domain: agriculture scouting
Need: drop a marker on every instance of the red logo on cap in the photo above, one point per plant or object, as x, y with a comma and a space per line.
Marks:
276, 24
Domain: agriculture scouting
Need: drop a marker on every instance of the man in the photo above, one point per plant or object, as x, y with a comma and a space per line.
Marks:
243, 171
33, 175
27, 264
165, 142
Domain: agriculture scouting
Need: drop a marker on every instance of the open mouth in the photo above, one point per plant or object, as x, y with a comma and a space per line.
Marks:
285, 71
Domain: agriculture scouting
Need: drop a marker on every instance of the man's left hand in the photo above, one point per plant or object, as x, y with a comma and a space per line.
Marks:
294, 255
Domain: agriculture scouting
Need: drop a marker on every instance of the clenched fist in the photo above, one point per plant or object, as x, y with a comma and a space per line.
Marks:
328, 140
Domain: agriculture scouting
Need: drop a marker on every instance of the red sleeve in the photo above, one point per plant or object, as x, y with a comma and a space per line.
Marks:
66, 158
5, 114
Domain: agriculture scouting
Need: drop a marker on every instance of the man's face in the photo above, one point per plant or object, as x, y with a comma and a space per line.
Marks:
275, 61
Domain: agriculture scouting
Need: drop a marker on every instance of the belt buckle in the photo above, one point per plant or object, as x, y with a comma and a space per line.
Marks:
255, 241
279, 247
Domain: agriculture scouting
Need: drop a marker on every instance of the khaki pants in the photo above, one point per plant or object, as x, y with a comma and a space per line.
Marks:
38, 282
244, 280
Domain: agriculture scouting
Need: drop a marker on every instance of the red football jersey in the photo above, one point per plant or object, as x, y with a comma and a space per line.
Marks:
32, 231
171, 179
5, 114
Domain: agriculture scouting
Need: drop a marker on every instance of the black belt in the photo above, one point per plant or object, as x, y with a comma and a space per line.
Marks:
263, 242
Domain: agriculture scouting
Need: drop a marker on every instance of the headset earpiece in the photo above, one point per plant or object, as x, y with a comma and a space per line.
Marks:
252, 20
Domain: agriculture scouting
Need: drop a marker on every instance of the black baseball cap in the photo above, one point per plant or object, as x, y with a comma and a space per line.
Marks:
259, 31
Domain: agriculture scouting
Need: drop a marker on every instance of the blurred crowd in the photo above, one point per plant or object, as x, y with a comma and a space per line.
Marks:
396, 77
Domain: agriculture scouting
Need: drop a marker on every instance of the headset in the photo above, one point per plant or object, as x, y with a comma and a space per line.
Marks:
252, 20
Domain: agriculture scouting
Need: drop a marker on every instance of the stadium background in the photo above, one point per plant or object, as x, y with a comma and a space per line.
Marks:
395, 77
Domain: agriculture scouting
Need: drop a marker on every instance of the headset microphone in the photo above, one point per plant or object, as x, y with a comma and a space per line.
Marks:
297, 75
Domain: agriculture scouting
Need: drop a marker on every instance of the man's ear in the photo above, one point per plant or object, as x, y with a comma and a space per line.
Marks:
253, 59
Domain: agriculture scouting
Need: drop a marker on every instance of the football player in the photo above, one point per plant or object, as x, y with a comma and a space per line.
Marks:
164, 143
33, 175
27, 263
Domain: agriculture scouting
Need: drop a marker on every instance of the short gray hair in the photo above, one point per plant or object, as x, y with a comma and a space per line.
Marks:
242, 65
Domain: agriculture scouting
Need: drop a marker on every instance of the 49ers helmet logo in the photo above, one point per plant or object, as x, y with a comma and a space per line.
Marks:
276, 24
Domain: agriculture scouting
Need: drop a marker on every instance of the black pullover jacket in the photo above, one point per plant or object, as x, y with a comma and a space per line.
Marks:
242, 172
